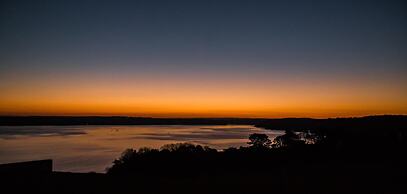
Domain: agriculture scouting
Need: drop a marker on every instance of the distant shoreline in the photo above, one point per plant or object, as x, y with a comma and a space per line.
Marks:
379, 122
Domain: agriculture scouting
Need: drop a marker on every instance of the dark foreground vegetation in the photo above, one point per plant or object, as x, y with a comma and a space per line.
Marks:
363, 155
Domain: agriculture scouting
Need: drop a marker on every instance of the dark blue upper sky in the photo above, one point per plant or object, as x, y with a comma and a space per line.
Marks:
288, 39
307, 35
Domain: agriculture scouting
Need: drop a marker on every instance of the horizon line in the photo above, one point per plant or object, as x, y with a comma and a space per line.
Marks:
148, 117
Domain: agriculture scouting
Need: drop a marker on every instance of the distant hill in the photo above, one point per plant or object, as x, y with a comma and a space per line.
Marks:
379, 122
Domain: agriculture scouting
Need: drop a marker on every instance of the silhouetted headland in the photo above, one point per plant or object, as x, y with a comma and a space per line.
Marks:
27, 168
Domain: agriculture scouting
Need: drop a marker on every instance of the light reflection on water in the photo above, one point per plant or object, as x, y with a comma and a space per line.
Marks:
93, 148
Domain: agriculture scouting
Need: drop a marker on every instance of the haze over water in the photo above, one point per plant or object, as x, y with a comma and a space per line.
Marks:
93, 148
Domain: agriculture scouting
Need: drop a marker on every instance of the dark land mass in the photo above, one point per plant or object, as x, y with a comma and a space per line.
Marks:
344, 155
378, 122
228, 174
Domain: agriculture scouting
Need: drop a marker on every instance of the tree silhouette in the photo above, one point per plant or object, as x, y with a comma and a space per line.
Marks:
182, 147
289, 139
258, 140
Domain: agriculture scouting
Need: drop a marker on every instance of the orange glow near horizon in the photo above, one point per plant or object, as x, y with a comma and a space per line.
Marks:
201, 98
259, 59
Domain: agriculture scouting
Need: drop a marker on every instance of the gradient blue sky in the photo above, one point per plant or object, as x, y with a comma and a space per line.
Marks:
356, 49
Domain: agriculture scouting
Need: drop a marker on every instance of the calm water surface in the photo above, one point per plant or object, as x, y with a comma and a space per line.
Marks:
93, 148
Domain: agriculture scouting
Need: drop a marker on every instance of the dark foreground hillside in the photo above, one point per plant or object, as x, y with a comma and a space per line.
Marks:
228, 173
358, 158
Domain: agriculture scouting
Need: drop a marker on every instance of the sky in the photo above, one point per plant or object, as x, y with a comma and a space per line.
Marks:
213, 58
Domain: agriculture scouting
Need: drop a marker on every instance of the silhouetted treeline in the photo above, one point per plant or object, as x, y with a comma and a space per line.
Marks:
296, 162
296, 148
365, 134
186, 159
378, 122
